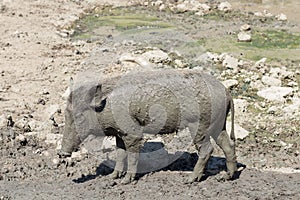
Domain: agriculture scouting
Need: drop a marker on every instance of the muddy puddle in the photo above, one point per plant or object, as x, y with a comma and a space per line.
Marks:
192, 35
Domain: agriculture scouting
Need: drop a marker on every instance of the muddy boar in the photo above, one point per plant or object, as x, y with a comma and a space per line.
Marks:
151, 102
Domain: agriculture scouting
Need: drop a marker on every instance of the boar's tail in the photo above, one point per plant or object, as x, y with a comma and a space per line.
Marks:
232, 136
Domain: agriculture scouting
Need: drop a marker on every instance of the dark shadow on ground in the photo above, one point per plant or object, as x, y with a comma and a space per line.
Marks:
154, 157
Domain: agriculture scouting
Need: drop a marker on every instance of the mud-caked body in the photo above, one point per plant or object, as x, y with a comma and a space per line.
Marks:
151, 102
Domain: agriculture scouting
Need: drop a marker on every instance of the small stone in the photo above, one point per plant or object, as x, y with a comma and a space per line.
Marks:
270, 81
108, 144
3, 121
244, 37
275, 93
261, 62
51, 110
230, 62
205, 7
230, 83
76, 155
182, 7
55, 161
224, 6
245, 27
157, 56
281, 17
272, 110
258, 14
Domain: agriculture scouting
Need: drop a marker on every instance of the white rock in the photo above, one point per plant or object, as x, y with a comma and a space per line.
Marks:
275, 93
3, 121
245, 27
53, 138
55, 161
240, 132
182, 7
205, 7
281, 17
21, 138
240, 106
230, 62
157, 56
281, 72
258, 14
66, 94
108, 144
76, 155
260, 62
230, 83
272, 110
225, 6
294, 108
270, 81
51, 110
244, 37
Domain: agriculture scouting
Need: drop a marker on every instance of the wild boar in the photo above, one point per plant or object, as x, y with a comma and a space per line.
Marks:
151, 102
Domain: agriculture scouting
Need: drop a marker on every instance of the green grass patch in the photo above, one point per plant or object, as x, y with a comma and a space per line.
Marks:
119, 19
272, 44
271, 39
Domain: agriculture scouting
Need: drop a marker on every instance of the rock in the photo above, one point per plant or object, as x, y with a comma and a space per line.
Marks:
3, 121
66, 94
258, 14
157, 56
260, 62
244, 37
281, 17
240, 106
23, 125
225, 6
270, 81
53, 138
51, 110
267, 13
205, 7
76, 155
240, 132
294, 108
182, 7
230, 83
178, 63
275, 93
272, 110
230, 62
55, 161
277, 72
245, 27
108, 144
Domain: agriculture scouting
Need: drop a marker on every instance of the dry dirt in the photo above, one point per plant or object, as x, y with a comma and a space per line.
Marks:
36, 63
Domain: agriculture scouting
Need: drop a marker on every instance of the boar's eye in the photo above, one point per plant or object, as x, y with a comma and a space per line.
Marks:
79, 118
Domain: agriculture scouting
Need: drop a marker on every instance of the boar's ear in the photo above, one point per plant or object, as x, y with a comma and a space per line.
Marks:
97, 103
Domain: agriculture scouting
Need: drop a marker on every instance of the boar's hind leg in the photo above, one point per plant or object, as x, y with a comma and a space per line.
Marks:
228, 147
121, 159
204, 152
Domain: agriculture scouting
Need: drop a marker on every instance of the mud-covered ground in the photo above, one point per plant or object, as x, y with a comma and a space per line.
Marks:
44, 43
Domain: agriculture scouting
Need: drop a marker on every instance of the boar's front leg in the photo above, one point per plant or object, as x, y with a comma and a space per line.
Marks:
121, 159
133, 145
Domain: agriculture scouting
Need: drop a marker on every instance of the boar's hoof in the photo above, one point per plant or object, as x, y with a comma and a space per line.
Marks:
63, 154
116, 174
129, 177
